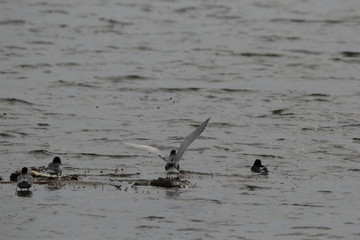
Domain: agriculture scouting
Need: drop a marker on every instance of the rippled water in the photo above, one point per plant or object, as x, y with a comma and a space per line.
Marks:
280, 80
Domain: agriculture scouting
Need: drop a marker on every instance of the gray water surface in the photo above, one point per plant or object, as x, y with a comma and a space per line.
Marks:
280, 80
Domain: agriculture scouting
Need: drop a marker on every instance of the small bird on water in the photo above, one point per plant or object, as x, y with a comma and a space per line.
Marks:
55, 168
259, 168
172, 161
24, 180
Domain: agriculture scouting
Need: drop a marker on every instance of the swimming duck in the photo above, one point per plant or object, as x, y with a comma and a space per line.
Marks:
259, 168
24, 180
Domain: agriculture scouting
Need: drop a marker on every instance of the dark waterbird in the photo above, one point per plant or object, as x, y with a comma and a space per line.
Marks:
24, 180
259, 168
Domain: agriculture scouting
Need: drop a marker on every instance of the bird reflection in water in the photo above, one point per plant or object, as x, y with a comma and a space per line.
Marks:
25, 194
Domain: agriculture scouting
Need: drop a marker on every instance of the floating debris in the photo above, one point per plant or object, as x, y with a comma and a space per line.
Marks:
170, 183
42, 177
164, 182
253, 187
122, 175
142, 182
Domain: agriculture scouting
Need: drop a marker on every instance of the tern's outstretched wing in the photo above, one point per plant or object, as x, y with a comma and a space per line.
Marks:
148, 149
189, 139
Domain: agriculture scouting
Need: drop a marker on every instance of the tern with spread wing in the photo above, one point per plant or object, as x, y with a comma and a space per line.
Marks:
172, 161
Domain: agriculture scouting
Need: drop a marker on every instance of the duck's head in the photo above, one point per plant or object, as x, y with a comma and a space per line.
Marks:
24, 170
57, 160
257, 163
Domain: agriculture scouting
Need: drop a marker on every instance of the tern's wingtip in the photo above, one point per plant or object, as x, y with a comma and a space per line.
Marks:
208, 119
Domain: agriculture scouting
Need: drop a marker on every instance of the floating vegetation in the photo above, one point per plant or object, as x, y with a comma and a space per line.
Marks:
42, 177
165, 183
171, 183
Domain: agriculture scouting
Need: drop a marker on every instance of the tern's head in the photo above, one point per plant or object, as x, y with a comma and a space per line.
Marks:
257, 163
24, 170
173, 152
57, 160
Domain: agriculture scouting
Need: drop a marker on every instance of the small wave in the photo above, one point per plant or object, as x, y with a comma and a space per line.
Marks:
115, 79
8, 72
275, 38
281, 112
319, 95
12, 22
115, 22
300, 20
237, 90
41, 43
325, 191
206, 200
256, 204
7, 135
348, 57
196, 173
107, 30
193, 229
35, 66
22, 134
225, 16
147, 227
303, 205
73, 84
68, 64
15, 101
40, 151
350, 125
351, 60
12, 47
253, 187
156, 90
312, 227
56, 11
268, 156
116, 175
106, 155
305, 51
144, 48
193, 89
153, 218
43, 124
251, 54
223, 124
13, 134
354, 170
350, 54
185, 9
